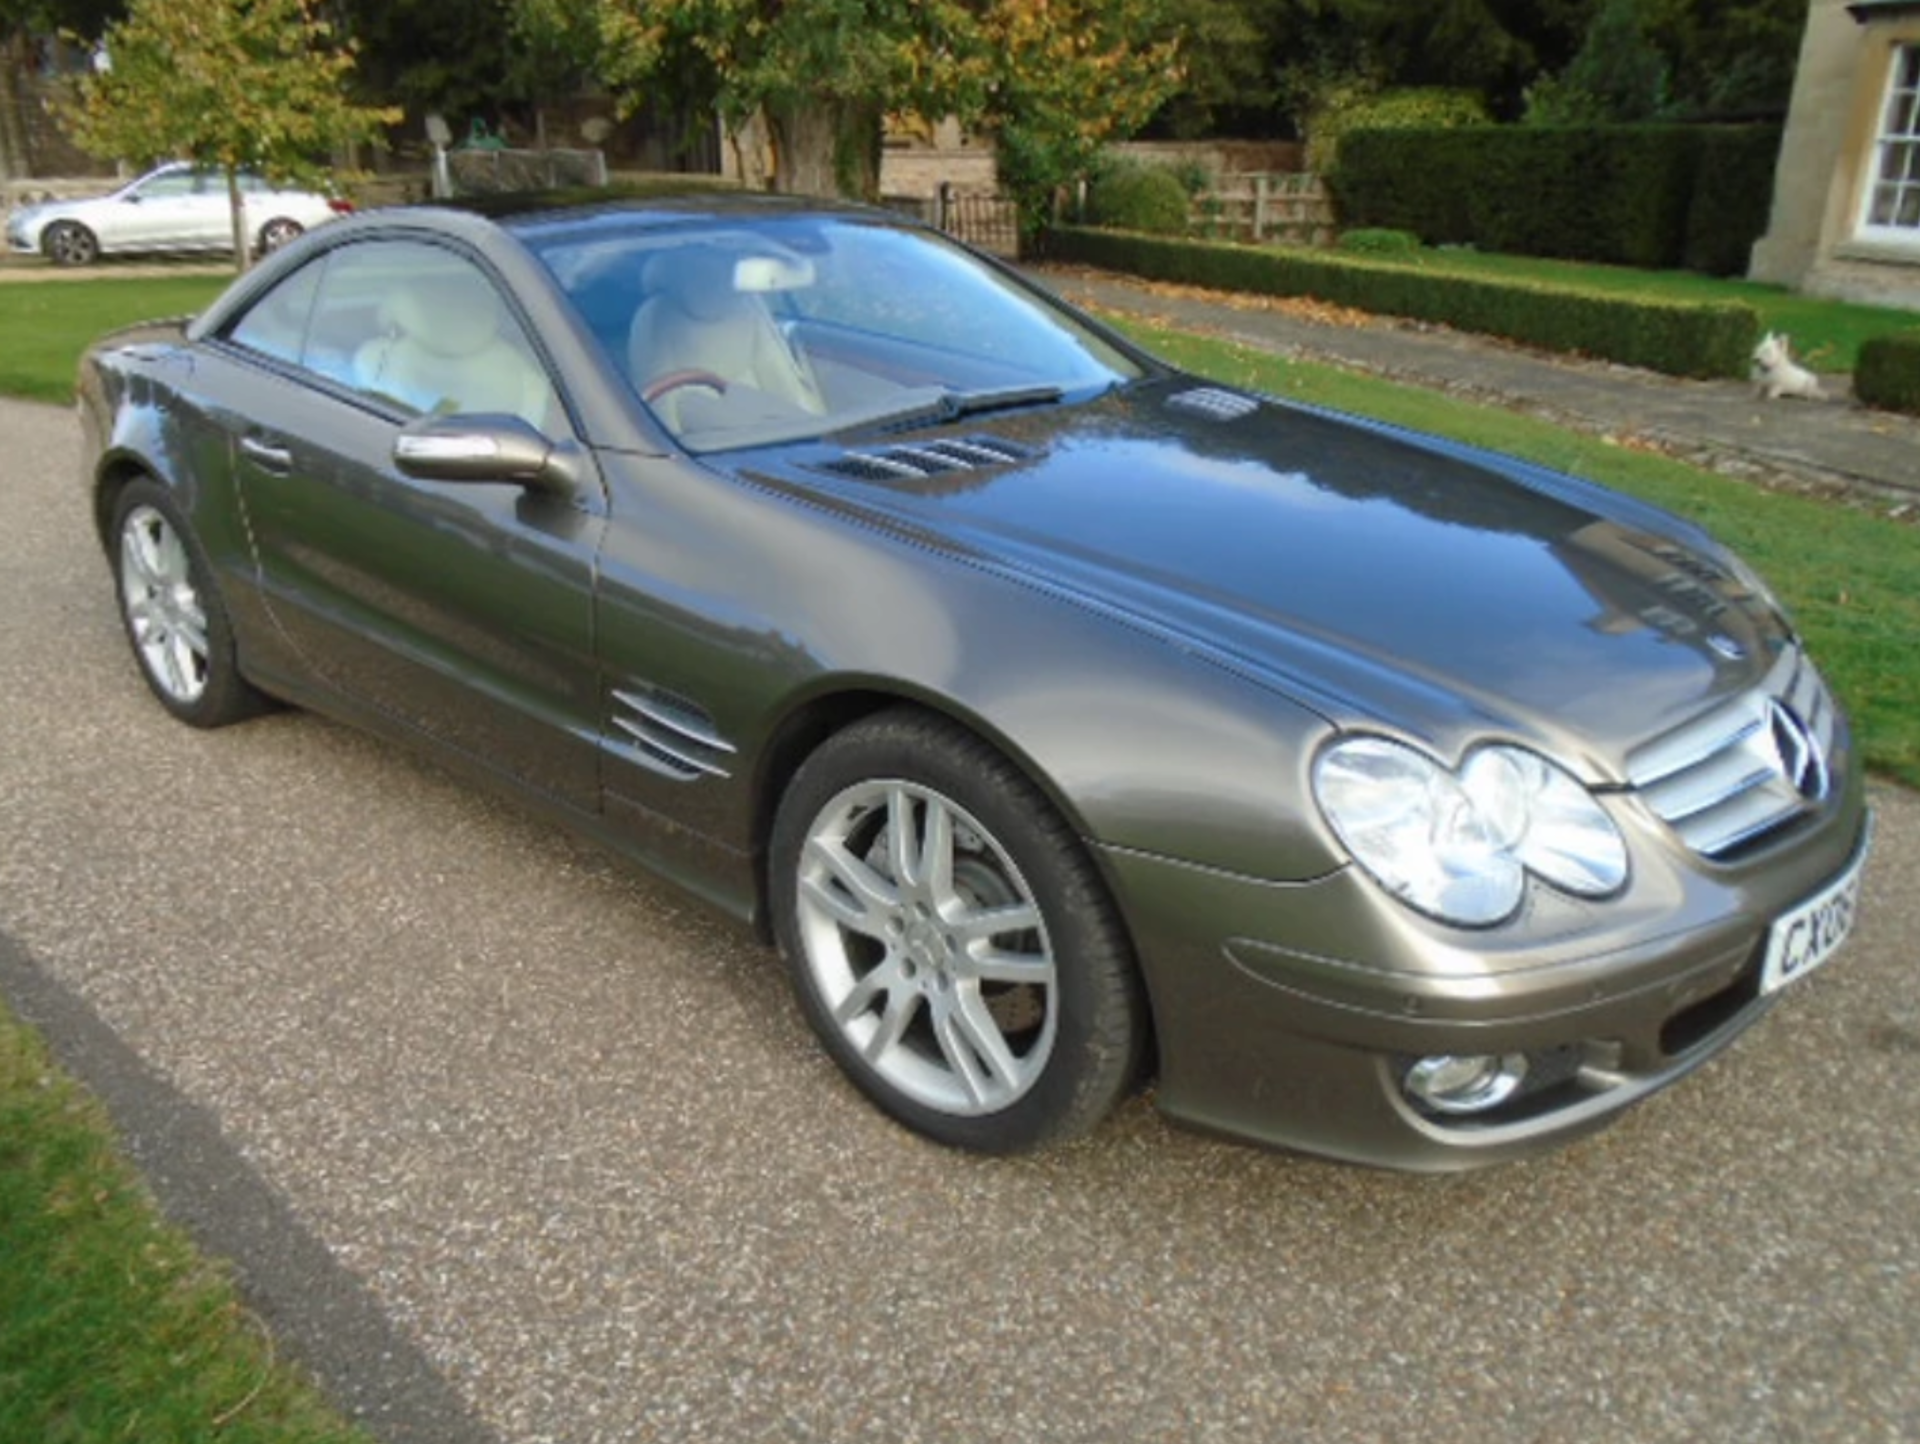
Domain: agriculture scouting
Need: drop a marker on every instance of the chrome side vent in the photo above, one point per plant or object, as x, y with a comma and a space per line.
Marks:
1747, 769
668, 734
1215, 403
921, 460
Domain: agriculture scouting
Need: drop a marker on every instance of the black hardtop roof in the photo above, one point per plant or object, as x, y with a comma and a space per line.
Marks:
670, 201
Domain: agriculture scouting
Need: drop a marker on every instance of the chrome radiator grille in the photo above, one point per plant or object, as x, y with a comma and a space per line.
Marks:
1746, 769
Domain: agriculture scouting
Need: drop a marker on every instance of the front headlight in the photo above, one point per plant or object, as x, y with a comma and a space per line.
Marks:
1459, 844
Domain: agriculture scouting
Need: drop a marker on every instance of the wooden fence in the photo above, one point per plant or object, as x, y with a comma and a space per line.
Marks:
1292, 207
1285, 207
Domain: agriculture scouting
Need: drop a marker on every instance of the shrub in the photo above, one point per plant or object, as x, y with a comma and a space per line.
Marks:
1888, 373
1138, 198
1420, 107
1429, 107
1413, 108
1680, 338
1657, 196
1376, 241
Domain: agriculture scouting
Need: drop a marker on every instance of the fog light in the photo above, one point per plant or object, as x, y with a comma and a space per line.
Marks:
1469, 1083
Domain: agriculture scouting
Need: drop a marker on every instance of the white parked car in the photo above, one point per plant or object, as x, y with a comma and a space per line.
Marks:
178, 207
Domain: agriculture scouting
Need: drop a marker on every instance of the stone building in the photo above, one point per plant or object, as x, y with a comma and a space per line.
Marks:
1846, 198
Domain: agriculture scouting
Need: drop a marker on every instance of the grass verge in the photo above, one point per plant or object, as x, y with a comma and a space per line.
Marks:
1826, 334
112, 1326
47, 324
1851, 578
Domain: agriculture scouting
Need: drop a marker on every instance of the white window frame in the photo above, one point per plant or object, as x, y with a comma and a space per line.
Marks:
1896, 144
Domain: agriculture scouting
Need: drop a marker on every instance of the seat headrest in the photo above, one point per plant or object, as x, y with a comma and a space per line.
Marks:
698, 279
450, 313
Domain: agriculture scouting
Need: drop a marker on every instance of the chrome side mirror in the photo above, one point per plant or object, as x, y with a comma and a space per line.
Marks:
485, 447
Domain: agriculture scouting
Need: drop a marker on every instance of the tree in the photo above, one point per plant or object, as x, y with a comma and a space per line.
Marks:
1619, 75
1071, 76
1232, 52
463, 60
24, 25
1729, 58
231, 83
821, 75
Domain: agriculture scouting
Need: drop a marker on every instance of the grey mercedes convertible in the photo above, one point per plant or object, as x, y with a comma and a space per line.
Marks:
1071, 724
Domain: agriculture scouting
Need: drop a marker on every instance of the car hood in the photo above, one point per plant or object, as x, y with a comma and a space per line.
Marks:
1381, 577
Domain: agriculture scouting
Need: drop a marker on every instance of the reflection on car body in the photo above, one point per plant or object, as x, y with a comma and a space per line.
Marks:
1067, 721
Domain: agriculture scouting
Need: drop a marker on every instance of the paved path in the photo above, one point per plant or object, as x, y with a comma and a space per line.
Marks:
511, 1144
1716, 423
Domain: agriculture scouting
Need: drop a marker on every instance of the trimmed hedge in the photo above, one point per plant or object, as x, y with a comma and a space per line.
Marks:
1732, 198
1888, 372
1679, 338
1654, 196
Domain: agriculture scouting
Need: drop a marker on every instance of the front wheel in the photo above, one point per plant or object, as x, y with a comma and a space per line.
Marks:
173, 615
68, 243
950, 942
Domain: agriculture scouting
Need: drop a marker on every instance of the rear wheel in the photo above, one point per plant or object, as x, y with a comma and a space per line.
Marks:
173, 615
277, 233
950, 942
68, 243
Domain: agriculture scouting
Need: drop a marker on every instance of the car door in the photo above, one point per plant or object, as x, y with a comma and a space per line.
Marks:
159, 213
460, 610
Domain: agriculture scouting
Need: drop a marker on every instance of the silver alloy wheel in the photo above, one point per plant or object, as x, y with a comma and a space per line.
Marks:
927, 947
164, 613
68, 243
277, 233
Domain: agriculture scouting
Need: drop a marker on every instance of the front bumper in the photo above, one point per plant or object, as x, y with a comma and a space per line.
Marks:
1285, 1014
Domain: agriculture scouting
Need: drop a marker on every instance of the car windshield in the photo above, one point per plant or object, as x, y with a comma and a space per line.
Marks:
742, 333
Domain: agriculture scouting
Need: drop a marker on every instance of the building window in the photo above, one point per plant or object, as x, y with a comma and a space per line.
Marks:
1893, 197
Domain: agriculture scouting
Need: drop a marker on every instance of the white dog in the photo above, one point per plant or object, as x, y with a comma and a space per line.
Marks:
1775, 373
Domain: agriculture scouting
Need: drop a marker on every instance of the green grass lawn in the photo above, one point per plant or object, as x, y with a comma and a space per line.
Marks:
1826, 334
1850, 577
45, 325
112, 1326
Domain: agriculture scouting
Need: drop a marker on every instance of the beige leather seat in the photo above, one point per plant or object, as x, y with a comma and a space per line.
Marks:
694, 321
443, 352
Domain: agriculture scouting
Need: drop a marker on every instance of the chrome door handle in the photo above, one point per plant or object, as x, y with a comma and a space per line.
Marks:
268, 457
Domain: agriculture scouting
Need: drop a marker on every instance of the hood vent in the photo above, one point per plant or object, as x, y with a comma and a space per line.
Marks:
932, 458
668, 734
1215, 403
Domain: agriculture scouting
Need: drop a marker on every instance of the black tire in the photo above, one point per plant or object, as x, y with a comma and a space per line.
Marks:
68, 243
1010, 855
175, 620
279, 232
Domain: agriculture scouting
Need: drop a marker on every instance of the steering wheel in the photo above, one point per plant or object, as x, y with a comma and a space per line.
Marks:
674, 380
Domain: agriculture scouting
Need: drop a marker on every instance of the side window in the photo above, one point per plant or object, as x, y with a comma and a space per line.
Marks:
276, 324
422, 328
171, 186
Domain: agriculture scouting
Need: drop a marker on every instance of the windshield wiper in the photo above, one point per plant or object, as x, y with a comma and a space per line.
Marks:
952, 405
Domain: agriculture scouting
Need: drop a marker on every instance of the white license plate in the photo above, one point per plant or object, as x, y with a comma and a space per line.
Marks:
1805, 938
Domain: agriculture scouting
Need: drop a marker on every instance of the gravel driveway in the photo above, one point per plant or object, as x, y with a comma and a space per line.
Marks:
512, 1143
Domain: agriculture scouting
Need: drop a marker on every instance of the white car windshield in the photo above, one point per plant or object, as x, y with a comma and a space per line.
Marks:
747, 333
